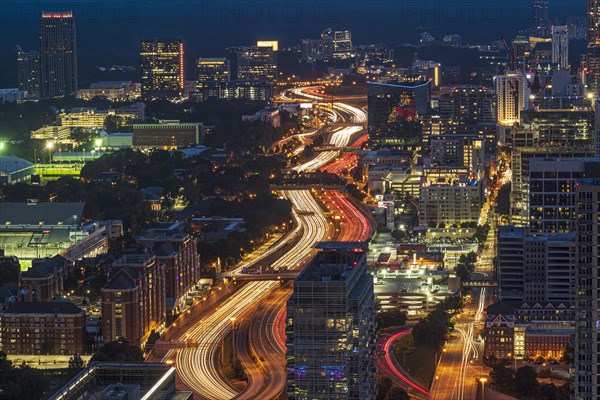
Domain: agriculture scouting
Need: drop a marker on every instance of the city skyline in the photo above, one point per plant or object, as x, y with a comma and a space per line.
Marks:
304, 211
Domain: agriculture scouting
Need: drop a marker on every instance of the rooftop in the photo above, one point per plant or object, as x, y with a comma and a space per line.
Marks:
44, 307
40, 214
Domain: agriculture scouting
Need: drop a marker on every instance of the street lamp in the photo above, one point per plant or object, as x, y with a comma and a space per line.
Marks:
483, 380
49, 146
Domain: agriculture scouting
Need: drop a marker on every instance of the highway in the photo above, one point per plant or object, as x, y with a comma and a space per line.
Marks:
198, 368
340, 138
267, 335
346, 161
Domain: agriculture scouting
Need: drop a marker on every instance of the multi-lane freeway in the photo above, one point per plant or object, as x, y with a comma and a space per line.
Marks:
199, 368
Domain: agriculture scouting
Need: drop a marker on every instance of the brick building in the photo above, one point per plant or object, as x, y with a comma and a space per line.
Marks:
42, 328
178, 253
44, 280
528, 329
133, 301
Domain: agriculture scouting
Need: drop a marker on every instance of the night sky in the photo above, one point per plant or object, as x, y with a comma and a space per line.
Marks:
109, 31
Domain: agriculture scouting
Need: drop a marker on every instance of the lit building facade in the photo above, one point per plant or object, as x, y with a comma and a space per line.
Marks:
394, 109
50, 327
535, 267
256, 64
467, 104
447, 204
552, 192
134, 299
162, 68
167, 134
512, 96
58, 54
330, 350
28, 72
560, 46
587, 338
528, 329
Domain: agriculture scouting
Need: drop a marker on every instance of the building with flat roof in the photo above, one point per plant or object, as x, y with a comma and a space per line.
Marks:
167, 134
37, 230
131, 381
449, 203
587, 338
49, 327
534, 267
15, 169
162, 68
330, 350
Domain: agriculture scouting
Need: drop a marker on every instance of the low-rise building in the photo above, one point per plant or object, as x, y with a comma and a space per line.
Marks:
167, 134
15, 169
44, 280
55, 327
269, 116
528, 329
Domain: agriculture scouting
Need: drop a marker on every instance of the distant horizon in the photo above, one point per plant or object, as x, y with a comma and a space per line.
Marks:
109, 33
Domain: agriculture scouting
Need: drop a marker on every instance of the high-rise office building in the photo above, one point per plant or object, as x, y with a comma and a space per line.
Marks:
467, 104
592, 71
392, 106
256, 64
587, 322
28, 72
535, 267
552, 192
540, 17
212, 70
512, 96
342, 44
331, 326
58, 54
560, 46
593, 22
162, 68
521, 160
209, 71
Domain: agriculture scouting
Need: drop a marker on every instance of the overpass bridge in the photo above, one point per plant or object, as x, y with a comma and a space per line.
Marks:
280, 276
480, 283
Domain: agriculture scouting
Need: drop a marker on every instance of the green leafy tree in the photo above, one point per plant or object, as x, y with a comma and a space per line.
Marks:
76, 362
397, 393
9, 272
502, 377
526, 381
120, 351
384, 384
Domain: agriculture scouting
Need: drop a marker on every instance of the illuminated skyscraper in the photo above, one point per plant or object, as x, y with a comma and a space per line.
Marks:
512, 96
560, 46
587, 320
257, 64
28, 72
593, 28
593, 52
331, 326
212, 70
540, 17
58, 54
342, 43
162, 68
